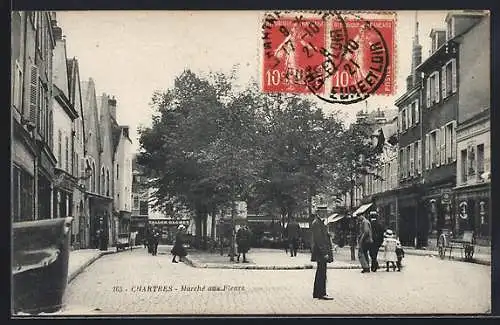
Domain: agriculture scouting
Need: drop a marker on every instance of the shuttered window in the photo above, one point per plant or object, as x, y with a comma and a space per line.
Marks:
427, 152
428, 92
411, 154
417, 111
442, 148
34, 94
419, 156
453, 141
17, 94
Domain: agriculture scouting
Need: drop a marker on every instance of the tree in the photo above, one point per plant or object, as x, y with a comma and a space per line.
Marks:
202, 147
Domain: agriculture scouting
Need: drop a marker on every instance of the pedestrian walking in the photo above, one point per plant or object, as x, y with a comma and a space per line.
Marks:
133, 236
365, 241
178, 249
293, 232
322, 254
156, 240
378, 238
390, 245
243, 236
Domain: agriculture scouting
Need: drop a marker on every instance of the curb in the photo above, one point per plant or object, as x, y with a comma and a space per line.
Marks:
453, 258
192, 263
79, 270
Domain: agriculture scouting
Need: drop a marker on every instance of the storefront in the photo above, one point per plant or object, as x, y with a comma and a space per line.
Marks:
138, 223
412, 223
101, 219
387, 205
473, 211
168, 228
438, 209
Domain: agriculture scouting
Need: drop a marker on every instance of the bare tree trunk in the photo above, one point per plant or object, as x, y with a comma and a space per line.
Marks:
204, 233
214, 220
232, 251
353, 233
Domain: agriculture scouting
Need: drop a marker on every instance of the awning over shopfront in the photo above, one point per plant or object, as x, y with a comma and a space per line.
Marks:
334, 218
362, 209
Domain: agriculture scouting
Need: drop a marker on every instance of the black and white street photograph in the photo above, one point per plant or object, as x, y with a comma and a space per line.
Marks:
250, 163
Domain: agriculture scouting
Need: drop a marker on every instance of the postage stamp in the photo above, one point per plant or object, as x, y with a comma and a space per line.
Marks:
341, 57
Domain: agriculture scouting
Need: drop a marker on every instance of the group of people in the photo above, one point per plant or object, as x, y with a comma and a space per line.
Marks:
153, 236
371, 239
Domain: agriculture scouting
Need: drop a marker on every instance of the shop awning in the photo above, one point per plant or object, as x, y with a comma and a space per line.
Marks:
362, 209
334, 218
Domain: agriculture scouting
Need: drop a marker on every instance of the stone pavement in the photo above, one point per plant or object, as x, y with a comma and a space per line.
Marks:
81, 258
275, 259
268, 259
136, 283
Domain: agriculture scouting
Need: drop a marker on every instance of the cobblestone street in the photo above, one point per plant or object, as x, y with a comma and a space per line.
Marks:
118, 284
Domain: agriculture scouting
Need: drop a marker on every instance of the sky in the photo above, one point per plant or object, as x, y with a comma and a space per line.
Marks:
132, 54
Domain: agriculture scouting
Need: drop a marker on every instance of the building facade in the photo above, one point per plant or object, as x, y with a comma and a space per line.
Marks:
411, 220
99, 206
122, 165
473, 182
81, 171
140, 201
33, 160
66, 181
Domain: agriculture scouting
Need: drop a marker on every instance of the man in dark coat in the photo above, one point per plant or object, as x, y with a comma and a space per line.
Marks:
365, 241
321, 254
378, 238
243, 240
156, 240
292, 231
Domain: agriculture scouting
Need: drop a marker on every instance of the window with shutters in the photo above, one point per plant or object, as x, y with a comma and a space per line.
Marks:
454, 140
434, 152
34, 89
404, 119
17, 96
417, 111
411, 154
408, 160
433, 88
401, 171
51, 130
411, 113
450, 82
59, 149
400, 125
66, 155
480, 160
449, 142
107, 183
442, 146
437, 148
418, 151
426, 152
471, 156
463, 163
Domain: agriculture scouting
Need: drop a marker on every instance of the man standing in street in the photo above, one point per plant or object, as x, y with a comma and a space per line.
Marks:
365, 241
378, 238
321, 254
292, 230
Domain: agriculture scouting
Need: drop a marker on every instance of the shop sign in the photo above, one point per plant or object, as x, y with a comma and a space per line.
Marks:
446, 197
170, 222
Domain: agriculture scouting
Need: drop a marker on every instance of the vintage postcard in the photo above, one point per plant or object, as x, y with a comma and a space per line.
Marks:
284, 162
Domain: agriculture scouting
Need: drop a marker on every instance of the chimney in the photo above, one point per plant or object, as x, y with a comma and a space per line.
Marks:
112, 107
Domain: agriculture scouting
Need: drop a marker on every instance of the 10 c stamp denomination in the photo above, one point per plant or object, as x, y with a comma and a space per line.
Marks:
339, 57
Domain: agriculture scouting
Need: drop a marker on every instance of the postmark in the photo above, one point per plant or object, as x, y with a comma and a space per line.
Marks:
349, 58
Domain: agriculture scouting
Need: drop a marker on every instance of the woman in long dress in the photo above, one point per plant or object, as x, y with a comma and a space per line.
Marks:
178, 249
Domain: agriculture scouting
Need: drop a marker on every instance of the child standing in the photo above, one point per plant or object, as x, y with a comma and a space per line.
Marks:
390, 245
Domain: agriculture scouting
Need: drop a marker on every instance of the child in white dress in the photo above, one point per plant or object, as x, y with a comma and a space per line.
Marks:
390, 244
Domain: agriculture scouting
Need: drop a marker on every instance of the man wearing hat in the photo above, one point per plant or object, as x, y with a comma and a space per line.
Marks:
378, 238
321, 254
365, 241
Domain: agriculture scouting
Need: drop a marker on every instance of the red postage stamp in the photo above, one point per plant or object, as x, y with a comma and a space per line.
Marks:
339, 57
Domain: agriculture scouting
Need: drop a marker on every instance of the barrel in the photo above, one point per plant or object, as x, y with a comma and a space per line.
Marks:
40, 265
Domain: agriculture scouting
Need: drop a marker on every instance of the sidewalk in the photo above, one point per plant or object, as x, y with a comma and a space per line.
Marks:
482, 254
268, 259
276, 259
81, 258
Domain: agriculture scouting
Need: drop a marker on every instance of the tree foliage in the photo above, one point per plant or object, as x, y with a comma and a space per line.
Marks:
210, 145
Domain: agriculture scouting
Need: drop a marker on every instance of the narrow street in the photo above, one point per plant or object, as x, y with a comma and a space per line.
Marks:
125, 284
